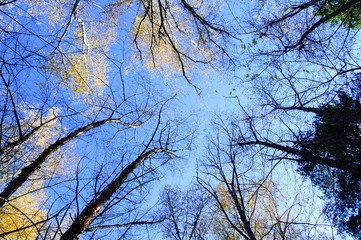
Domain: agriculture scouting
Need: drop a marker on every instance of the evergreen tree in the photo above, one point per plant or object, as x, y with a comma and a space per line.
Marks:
342, 12
337, 136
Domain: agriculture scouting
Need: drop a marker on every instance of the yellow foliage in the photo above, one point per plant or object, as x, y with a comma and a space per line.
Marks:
82, 74
28, 207
59, 162
79, 34
265, 208
83, 67
220, 225
83, 32
168, 39
23, 212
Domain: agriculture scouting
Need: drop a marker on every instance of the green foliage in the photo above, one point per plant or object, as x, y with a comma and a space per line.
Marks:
349, 17
337, 136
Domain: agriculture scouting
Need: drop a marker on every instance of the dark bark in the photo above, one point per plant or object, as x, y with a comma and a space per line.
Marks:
324, 19
348, 166
242, 214
27, 171
86, 217
19, 141
352, 116
23, 138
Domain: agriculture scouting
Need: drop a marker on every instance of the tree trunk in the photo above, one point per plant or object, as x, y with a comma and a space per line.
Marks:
351, 167
27, 171
86, 217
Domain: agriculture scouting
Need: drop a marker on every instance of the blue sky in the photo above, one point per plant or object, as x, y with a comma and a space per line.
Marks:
217, 98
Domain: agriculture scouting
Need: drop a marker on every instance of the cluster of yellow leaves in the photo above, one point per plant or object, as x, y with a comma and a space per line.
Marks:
83, 74
58, 163
52, 12
80, 33
29, 207
83, 66
81, 36
269, 208
220, 225
24, 213
7, 23
264, 208
168, 39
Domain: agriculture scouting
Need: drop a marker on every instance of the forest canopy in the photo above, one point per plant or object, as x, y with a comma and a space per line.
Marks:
180, 119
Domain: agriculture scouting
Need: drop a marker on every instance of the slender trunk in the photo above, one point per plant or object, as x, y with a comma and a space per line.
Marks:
19, 141
242, 214
86, 217
27, 171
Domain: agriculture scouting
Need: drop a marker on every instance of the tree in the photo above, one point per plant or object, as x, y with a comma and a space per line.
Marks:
23, 217
249, 201
345, 12
35, 164
184, 213
295, 42
306, 64
86, 217
161, 140
315, 14
59, 96
75, 39
327, 153
336, 136
174, 35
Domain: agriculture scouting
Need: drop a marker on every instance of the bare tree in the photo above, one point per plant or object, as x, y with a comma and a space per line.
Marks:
184, 213
80, 139
249, 200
